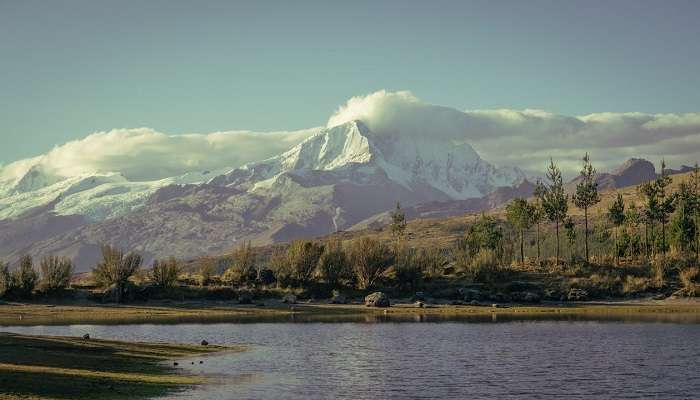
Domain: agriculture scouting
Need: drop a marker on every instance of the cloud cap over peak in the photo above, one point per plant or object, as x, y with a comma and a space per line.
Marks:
527, 138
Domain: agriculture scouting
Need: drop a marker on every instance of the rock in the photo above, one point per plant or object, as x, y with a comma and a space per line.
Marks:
204, 343
86, 336
577, 295
659, 296
526, 297
338, 299
175, 363
470, 294
418, 296
245, 297
377, 299
419, 304
289, 299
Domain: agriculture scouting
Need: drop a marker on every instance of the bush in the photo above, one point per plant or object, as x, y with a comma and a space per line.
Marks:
633, 285
370, 259
409, 273
4, 279
242, 269
164, 273
279, 265
689, 277
23, 279
333, 266
431, 261
115, 269
56, 273
302, 259
207, 268
484, 267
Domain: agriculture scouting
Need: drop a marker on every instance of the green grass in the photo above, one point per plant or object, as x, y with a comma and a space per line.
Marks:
37, 367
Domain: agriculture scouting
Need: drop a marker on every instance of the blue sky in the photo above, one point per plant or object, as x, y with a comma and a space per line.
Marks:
70, 68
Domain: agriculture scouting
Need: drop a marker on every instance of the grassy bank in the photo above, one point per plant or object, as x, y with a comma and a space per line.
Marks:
37, 367
207, 312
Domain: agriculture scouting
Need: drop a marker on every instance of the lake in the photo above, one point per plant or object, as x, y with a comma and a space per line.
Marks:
586, 359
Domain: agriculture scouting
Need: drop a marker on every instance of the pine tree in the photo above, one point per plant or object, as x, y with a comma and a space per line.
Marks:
519, 213
633, 218
398, 224
651, 211
555, 202
695, 190
570, 228
616, 216
683, 226
666, 203
538, 211
586, 194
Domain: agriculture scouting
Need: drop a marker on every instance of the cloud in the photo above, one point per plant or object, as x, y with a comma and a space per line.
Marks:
527, 138
523, 138
144, 154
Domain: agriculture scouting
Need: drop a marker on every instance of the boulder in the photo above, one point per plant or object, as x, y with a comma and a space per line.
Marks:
418, 296
419, 304
577, 295
245, 297
204, 343
377, 299
338, 299
289, 299
470, 294
86, 336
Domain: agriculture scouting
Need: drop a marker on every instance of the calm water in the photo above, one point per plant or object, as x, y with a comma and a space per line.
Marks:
433, 360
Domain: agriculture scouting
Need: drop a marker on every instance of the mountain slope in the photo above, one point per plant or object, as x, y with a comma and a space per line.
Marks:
331, 181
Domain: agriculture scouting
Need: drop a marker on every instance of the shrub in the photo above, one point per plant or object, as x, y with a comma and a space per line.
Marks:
115, 269
55, 272
4, 279
242, 269
333, 266
370, 259
207, 268
302, 258
483, 234
484, 267
279, 265
431, 261
688, 277
409, 273
633, 284
24, 278
659, 265
164, 273
266, 276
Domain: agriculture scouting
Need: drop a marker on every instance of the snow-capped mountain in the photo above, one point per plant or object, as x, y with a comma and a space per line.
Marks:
332, 180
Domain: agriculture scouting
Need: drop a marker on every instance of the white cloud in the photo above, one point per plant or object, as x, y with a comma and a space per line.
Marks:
144, 154
524, 138
527, 138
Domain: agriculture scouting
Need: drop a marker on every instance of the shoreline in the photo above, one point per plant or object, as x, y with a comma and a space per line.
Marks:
47, 367
29, 314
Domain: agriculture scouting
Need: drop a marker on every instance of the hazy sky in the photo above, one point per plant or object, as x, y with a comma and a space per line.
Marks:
70, 68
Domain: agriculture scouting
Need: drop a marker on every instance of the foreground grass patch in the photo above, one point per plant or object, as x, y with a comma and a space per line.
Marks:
37, 367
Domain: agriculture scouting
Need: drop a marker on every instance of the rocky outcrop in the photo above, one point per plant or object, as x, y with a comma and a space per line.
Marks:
377, 299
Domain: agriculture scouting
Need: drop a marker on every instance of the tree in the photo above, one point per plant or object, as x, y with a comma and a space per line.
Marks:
4, 279
683, 228
650, 213
370, 259
482, 234
520, 214
616, 216
303, 256
333, 266
242, 269
695, 190
55, 272
570, 228
586, 195
116, 268
409, 273
206, 269
538, 213
164, 273
555, 202
24, 278
665, 202
398, 224
633, 218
